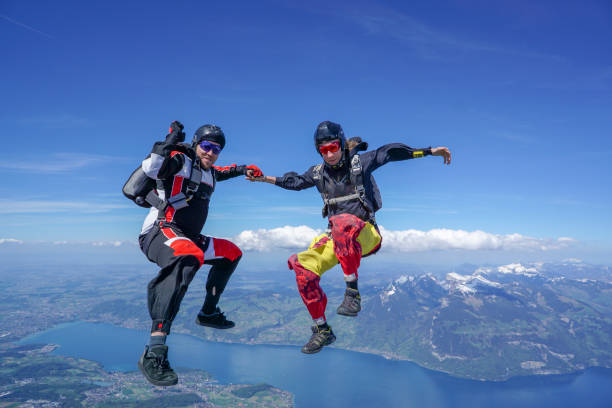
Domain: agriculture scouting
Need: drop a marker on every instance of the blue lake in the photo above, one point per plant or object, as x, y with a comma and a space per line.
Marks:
331, 378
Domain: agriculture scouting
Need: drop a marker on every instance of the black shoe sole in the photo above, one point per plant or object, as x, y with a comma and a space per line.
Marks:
312, 352
154, 381
214, 326
350, 314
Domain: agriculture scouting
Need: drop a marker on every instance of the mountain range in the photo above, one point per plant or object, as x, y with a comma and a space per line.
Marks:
495, 323
478, 322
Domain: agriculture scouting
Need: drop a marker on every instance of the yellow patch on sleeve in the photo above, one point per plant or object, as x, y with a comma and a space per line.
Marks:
416, 154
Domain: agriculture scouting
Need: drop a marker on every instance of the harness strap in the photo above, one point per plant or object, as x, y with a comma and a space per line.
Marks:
194, 180
341, 199
316, 176
153, 199
356, 179
180, 200
316, 173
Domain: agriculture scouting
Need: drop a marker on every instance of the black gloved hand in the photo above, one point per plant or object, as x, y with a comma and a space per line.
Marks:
175, 133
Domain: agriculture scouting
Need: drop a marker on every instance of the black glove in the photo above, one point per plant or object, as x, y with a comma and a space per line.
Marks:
176, 134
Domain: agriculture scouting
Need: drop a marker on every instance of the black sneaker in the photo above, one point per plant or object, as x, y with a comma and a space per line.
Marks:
216, 320
351, 305
155, 367
320, 337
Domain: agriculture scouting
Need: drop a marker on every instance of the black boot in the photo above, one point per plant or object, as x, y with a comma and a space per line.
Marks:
320, 337
155, 367
351, 305
216, 320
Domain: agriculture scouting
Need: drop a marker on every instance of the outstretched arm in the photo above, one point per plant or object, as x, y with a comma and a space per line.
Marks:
442, 151
392, 152
289, 181
263, 179
231, 171
399, 151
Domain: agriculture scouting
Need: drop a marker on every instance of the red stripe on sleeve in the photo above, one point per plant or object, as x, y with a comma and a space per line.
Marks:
226, 168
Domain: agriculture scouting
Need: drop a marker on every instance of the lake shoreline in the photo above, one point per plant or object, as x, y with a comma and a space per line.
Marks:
386, 356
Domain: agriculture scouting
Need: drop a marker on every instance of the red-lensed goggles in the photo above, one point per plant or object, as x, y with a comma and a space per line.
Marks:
332, 147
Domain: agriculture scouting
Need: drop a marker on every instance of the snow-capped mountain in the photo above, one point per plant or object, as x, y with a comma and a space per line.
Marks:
496, 322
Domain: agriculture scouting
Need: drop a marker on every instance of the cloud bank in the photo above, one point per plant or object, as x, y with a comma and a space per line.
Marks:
68, 244
447, 239
8, 206
265, 240
299, 237
10, 241
57, 162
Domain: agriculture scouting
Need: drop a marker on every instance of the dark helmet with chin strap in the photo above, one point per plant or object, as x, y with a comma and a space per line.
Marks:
328, 131
212, 133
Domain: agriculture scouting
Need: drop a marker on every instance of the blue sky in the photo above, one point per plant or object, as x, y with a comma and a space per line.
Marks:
520, 92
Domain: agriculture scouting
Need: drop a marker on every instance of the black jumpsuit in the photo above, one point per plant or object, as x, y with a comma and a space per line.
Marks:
173, 241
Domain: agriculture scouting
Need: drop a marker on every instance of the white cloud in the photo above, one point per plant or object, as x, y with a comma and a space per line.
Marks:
10, 241
298, 238
57, 162
65, 243
515, 269
289, 237
109, 243
49, 206
447, 239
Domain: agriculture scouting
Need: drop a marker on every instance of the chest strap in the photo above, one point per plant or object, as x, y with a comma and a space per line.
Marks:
356, 180
180, 200
340, 199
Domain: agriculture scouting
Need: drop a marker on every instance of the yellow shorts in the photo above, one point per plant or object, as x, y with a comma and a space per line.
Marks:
320, 256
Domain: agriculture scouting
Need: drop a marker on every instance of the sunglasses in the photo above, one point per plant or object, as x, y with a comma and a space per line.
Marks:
207, 146
332, 147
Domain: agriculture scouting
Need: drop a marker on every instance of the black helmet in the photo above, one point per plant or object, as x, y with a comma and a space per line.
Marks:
327, 131
211, 133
